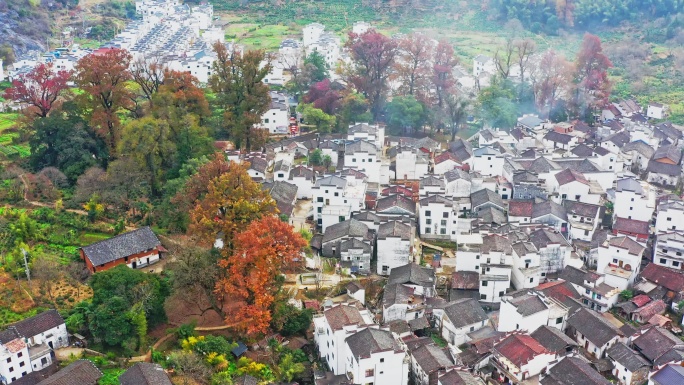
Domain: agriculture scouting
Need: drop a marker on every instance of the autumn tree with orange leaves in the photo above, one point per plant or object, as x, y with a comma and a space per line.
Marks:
232, 201
40, 89
266, 247
102, 76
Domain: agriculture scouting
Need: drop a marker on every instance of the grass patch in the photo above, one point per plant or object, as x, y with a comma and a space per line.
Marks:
110, 376
438, 340
89, 238
8, 120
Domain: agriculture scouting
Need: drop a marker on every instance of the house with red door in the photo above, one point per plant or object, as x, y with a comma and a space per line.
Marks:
136, 249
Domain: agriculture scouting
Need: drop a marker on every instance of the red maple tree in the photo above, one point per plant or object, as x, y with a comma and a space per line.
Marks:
266, 247
40, 89
103, 76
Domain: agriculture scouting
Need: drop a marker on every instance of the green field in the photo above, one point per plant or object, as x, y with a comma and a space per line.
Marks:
8, 120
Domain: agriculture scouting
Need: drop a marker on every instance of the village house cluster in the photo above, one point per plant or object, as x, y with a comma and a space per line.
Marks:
554, 223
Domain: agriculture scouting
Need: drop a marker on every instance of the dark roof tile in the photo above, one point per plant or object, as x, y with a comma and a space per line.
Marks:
122, 245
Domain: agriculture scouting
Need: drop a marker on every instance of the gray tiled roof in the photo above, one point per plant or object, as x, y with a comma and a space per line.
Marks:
431, 358
144, 373
395, 294
283, 192
431, 180
552, 339
573, 371
544, 237
350, 228
640, 147
81, 372
626, 357
581, 209
394, 229
656, 342
558, 137
549, 208
343, 315
670, 152
664, 168
459, 377
492, 215
39, 323
360, 146
331, 180
122, 245
528, 304
302, 172
464, 312
455, 174
436, 198
396, 201
593, 326
364, 343
496, 243
412, 274
483, 196
629, 184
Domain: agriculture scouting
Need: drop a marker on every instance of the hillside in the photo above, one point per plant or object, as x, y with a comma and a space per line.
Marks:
23, 27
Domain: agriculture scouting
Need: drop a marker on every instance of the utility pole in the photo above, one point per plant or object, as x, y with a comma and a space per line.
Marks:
28, 272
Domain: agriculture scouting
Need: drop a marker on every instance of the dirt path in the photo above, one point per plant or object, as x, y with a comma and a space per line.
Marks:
43, 204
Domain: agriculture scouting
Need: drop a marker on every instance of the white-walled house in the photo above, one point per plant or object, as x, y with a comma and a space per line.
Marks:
495, 280
669, 250
27, 346
427, 362
572, 185
634, 200
362, 155
373, 356
394, 245
630, 368
444, 162
368, 132
411, 164
436, 217
277, 119
656, 111
487, 161
526, 272
619, 259
339, 196
520, 357
421, 279
332, 328
304, 178
595, 293
670, 216
457, 183
584, 219
527, 311
458, 318
593, 332
399, 302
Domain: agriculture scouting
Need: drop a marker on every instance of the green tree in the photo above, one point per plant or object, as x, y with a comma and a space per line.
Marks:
316, 157
312, 115
64, 141
327, 161
119, 296
319, 68
498, 108
148, 141
288, 368
240, 92
288, 320
405, 113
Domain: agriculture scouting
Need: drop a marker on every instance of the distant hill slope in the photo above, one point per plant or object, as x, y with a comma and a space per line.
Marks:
24, 27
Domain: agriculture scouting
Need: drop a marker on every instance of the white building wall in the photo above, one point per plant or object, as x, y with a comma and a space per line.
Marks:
488, 165
392, 252
632, 206
669, 220
387, 367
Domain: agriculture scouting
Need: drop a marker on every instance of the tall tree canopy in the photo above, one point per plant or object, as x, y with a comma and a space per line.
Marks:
413, 65
232, 201
240, 92
591, 76
373, 55
40, 89
266, 247
103, 76
66, 142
